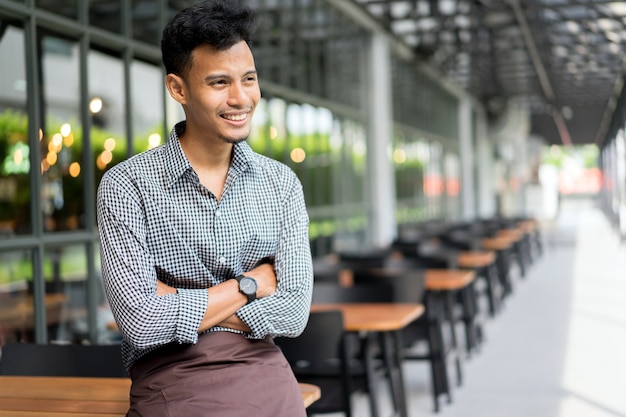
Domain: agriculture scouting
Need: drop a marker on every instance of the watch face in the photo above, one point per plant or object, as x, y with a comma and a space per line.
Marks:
247, 285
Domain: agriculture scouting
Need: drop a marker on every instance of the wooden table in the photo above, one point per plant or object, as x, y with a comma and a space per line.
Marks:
386, 319
442, 284
374, 317
503, 245
484, 263
28, 396
476, 259
310, 393
497, 243
448, 279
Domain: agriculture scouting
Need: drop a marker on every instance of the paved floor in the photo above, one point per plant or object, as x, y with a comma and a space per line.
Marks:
558, 348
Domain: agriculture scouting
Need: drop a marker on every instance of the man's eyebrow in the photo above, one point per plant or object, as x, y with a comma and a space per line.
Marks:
213, 77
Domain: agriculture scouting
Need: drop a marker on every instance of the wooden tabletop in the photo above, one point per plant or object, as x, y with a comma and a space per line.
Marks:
310, 393
376, 317
476, 259
28, 396
514, 234
497, 243
448, 279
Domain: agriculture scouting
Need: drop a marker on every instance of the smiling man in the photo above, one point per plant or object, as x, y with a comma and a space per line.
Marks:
204, 243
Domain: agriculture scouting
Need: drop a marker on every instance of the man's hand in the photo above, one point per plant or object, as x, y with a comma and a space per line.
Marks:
265, 278
164, 289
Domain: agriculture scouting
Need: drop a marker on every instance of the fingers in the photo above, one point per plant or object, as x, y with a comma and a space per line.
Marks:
164, 289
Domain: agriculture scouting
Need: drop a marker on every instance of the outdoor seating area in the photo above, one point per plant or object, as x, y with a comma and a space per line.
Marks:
471, 353
460, 275
421, 299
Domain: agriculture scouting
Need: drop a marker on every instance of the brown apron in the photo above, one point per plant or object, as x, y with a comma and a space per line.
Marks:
223, 375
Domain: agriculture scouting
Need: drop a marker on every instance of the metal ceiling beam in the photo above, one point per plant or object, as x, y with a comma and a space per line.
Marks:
548, 91
610, 108
359, 14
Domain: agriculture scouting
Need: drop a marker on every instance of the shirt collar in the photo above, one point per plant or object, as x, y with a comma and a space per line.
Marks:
178, 164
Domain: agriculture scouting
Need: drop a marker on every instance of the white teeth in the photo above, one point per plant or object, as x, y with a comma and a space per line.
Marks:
235, 117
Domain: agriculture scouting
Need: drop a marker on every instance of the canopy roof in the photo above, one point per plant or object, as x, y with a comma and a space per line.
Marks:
563, 58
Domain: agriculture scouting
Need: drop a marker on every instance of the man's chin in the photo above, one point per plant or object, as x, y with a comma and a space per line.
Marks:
234, 140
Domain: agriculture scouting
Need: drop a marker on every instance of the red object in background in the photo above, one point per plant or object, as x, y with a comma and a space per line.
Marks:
588, 181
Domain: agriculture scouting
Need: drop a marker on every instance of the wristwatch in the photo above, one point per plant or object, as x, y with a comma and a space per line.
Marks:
247, 286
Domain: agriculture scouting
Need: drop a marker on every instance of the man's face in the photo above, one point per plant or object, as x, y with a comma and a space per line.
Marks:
221, 92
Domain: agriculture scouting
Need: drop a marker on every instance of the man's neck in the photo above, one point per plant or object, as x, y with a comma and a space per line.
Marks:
210, 159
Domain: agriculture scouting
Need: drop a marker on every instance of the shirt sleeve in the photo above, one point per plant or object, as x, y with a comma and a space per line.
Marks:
286, 312
145, 320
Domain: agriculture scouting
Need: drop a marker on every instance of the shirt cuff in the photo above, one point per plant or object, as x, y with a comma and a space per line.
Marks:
191, 308
253, 317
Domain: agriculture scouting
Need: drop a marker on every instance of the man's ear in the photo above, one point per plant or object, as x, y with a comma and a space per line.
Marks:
176, 87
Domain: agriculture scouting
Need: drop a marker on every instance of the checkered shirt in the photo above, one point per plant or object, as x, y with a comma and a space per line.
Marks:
158, 222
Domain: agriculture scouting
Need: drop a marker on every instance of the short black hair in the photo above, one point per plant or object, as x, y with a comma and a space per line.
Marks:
217, 23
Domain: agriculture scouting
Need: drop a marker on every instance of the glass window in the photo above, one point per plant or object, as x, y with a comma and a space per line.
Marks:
410, 156
16, 306
147, 91
107, 107
106, 14
65, 8
14, 150
61, 142
65, 274
452, 185
434, 181
145, 15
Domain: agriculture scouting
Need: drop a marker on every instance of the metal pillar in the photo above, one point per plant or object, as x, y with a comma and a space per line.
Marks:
380, 182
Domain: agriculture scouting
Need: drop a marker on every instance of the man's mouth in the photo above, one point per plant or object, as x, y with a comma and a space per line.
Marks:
235, 117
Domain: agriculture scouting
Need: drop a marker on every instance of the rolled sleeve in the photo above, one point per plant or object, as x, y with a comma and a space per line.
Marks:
192, 305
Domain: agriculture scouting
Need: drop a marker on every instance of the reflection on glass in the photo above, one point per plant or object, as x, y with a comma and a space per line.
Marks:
106, 14
452, 185
65, 272
146, 21
66, 8
61, 140
108, 125
16, 305
434, 181
410, 157
14, 150
327, 154
147, 90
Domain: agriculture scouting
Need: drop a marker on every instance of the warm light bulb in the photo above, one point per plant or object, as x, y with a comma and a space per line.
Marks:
298, 155
74, 169
95, 105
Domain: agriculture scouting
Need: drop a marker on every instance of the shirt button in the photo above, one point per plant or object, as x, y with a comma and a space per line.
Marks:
222, 260
218, 212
